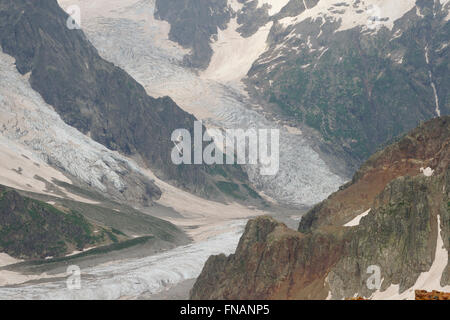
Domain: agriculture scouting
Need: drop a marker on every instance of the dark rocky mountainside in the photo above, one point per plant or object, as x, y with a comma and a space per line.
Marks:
426, 146
31, 228
100, 99
358, 87
405, 186
34, 229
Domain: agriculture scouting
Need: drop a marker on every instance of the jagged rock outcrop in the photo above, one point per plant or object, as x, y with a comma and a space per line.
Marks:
268, 259
405, 233
399, 236
426, 146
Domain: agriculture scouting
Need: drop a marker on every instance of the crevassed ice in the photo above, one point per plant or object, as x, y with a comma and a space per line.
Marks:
134, 40
134, 277
26, 119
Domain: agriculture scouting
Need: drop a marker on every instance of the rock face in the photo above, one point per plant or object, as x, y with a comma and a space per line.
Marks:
422, 148
98, 98
435, 295
271, 262
406, 234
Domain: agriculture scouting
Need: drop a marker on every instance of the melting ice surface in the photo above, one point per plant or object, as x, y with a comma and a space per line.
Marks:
133, 277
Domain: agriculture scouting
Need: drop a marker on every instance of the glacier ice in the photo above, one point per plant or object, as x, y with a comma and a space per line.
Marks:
131, 38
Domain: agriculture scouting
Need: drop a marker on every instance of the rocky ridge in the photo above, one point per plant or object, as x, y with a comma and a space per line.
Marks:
405, 234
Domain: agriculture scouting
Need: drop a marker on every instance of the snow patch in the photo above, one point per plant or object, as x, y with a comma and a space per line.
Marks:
428, 172
234, 55
235, 5
6, 259
357, 220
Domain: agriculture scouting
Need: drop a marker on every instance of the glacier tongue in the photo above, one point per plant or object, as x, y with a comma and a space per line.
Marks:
134, 277
126, 37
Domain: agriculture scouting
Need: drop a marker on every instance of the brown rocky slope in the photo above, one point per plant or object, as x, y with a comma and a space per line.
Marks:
410, 210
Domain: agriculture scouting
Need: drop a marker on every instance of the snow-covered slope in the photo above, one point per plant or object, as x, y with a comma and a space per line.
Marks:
234, 53
370, 14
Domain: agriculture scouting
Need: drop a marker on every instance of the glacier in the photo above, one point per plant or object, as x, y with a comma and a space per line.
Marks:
26, 120
129, 36
129, 279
